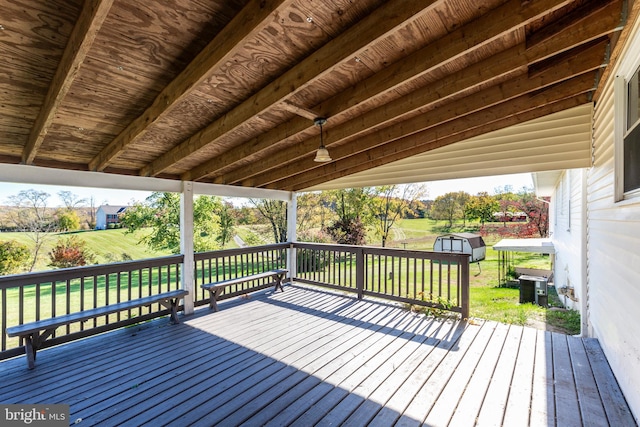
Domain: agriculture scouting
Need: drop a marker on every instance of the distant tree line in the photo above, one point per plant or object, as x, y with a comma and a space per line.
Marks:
345, 216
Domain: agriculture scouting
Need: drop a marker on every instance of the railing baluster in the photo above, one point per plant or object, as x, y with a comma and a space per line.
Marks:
68, 301
364, 270
4, 319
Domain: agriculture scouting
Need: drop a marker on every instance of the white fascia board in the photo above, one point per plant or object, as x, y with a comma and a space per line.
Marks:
236, 191
23, 174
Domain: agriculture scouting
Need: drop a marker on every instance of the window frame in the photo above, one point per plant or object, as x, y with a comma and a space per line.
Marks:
629, 67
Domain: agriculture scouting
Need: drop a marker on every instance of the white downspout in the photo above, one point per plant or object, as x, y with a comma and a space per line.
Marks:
584, 283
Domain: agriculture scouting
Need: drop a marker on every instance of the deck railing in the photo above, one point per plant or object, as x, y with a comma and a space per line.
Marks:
421, 278
35, 296
429, 279
231, 263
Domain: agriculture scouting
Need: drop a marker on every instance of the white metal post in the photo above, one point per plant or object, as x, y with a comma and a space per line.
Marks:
292, 219
186, 244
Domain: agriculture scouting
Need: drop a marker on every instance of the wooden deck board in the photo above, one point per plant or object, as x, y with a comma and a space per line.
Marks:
522, 383
475, 394
543, 410
590, 404
615, 406
568, 409
495, 401
304, 357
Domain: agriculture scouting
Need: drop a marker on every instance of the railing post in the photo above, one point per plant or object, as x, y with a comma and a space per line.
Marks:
360, 272
292, 219
464, 283
291, 262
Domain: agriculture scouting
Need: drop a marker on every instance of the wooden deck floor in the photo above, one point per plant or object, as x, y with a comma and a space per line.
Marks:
305, 357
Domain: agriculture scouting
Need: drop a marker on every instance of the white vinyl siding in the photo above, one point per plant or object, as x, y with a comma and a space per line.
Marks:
568, 239
613, 242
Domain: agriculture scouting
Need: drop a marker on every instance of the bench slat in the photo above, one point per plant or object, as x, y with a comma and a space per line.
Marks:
215, 288
238, 280
66, 319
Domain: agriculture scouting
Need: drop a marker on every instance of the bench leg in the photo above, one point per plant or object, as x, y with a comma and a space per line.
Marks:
174, 311
213, 297
30, 351
172, 305
279, 279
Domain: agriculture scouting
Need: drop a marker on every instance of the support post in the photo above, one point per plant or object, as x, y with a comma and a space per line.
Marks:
360, 272
464, 284
292, 219
186, 245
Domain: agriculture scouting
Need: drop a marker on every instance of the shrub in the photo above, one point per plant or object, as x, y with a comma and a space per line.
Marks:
71, 252
68, 220
14, 257
348, 232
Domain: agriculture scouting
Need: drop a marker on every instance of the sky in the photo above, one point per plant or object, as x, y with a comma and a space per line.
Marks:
127, 197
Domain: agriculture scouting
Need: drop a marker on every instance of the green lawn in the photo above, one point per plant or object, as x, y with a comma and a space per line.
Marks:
107, 245
488, 300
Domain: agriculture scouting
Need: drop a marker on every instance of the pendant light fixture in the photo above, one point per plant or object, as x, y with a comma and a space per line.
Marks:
322, 155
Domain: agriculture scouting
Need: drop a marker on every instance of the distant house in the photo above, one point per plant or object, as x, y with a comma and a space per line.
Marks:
108, 214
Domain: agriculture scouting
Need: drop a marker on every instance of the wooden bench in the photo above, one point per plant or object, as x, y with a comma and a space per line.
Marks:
216, 288
33, 339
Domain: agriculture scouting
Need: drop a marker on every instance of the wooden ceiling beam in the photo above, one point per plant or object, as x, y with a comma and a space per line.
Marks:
488, 102
511, 113
582, 16
480, 73
253, 18
504, 19
91, 18
307, 113
344, 47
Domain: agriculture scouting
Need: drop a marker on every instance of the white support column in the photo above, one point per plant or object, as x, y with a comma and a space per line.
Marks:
186, 244
292, 219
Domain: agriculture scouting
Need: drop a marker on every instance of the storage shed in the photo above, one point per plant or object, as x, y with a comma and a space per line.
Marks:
466, 243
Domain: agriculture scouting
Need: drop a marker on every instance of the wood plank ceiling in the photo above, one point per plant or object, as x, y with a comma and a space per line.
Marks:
225, 91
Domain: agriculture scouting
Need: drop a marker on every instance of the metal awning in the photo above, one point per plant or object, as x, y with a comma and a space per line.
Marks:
506, 247
540, 246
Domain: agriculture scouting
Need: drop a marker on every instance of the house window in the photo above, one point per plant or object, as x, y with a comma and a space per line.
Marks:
631, 154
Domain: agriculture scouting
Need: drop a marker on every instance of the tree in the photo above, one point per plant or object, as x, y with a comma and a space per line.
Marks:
68, 220
161, 213
313, 211
353, 209
14, 257
226, 221
481, 207
32, 217
507, 202
462, 199
392, 202
71, 252
70, 200
275, 212
446, 207
537, 211
92, 213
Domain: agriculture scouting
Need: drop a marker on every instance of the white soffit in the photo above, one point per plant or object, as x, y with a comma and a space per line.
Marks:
555, 142
545, 182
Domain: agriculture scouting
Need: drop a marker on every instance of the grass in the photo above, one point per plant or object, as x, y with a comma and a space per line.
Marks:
107, 245
488, 299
